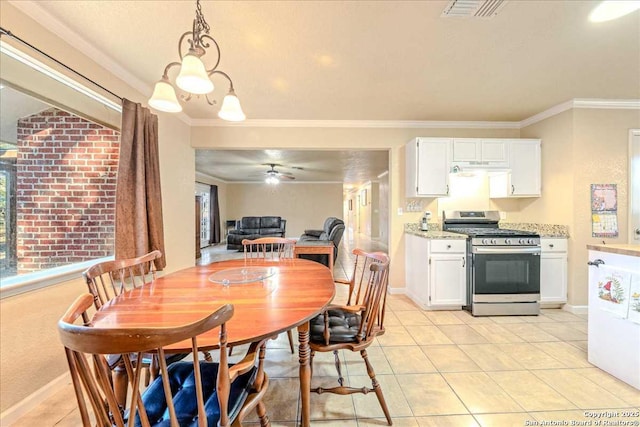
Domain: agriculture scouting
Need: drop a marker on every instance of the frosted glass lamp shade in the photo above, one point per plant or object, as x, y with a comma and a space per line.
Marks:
231, 109
193, 77
164, 98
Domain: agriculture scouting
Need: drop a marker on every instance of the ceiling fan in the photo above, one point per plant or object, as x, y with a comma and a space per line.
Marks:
273, 176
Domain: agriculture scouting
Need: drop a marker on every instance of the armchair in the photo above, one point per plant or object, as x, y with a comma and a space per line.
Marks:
332, 231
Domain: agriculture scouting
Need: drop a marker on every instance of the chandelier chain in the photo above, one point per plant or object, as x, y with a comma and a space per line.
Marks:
201, 23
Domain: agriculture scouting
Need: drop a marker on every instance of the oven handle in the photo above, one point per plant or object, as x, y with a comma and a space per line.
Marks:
506, 250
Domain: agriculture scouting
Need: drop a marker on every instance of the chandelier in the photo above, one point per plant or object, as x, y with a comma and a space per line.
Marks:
194, 78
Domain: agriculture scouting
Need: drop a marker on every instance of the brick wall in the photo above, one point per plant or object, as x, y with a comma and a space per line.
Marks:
66, 181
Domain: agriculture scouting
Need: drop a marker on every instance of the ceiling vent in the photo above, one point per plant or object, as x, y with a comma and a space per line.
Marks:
473, 8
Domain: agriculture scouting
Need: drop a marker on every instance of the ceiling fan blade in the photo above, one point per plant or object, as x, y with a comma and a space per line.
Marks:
286, 176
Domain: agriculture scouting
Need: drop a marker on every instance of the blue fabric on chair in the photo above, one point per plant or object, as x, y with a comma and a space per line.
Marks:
182, 382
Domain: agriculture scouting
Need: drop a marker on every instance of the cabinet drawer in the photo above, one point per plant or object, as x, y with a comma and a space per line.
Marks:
553, 245
449, 246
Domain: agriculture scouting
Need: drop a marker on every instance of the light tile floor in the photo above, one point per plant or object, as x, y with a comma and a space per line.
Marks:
443, 368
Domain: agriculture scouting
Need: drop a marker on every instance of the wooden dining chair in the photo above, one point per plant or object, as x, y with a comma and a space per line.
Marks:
275, 248
107, 280
355, 325
194, 393
269, 248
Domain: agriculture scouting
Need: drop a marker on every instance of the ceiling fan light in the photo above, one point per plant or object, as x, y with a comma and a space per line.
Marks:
612, 9
164, 97
231, 109
271, 179
193, 77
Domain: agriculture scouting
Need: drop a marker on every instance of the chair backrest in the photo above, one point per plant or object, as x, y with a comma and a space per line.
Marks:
361, 274
269, 247
93, 387
107, 280
371, 293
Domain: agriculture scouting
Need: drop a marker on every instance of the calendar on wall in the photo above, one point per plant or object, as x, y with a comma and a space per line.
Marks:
604, 210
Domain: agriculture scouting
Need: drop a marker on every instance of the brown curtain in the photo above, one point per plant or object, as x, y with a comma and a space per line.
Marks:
214, 215
139, 227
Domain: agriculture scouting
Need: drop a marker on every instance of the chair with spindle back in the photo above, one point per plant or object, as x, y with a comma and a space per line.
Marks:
275, 248
107, 280
355, 325
194, 393
269, 248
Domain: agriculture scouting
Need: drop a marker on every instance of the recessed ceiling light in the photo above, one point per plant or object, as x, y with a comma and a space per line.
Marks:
612, 9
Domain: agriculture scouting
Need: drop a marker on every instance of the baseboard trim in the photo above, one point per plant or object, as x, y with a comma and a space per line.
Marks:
26, 405
576, 309
397, 291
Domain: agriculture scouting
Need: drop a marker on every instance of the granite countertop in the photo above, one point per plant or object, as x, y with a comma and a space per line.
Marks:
630, 250
434, 232
544, 230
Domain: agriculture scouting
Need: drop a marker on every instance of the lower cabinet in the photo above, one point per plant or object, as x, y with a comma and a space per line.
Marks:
553, 271
436, 272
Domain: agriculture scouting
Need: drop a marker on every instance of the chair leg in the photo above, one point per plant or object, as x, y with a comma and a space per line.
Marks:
208, 358
120, 384
336, 357
376, 386
290, 335
311, 354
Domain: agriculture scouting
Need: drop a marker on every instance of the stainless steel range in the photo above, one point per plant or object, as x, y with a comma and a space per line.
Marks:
503, 272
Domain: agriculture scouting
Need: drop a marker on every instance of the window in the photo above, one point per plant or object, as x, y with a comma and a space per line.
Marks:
59, 150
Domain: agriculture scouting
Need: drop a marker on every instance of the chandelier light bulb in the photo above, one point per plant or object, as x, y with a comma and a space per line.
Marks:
164, 98
193, 77
231, 109
612, 9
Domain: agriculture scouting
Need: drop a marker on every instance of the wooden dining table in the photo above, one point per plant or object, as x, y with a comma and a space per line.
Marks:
269, 297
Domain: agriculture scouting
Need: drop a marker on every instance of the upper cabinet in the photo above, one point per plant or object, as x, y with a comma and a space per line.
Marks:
523, 179
480, 152
427, 167
513, 165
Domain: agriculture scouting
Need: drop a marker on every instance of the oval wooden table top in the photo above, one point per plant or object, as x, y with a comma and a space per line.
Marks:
295, 291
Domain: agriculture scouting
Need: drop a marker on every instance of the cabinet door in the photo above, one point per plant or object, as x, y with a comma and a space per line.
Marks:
524, 161
433, 167
416, 270
465, 150
553, 277
447, 278
494, 152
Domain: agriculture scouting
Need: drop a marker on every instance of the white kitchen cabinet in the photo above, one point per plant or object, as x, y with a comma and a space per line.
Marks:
427, 167
490, 152
417, 269
553, 271
436, 272
523, 178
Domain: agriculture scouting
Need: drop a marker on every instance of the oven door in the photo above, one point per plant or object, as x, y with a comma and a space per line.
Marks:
510, 272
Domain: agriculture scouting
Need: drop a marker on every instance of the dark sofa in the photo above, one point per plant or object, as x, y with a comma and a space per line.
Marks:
332, 231
254, 227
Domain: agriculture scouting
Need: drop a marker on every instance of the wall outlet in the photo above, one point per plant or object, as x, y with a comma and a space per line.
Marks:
400, 211
503, 215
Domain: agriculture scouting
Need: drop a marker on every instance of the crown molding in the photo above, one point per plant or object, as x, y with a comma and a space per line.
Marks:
389, 124
604, 104
285, 182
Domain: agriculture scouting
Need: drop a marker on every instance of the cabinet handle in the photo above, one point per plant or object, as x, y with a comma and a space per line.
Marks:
448, 246
551, 245
447, 188
596, 262
463, 261
513, 189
